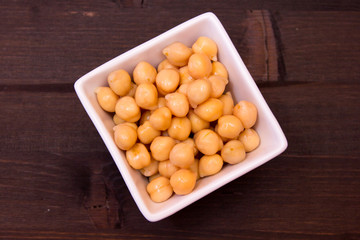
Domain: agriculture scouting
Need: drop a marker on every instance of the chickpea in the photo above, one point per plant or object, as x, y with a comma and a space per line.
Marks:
167, 80
106, 98
177, 53
146, 96
120, 82
125, 136
180, 128
159, 189
145, 117
167, 168
146, 133
127, 109
195, 168
198, 92
208, 142
199, 65
177, 103
210, 165
246, 112
197, 123
182, 155
117, 120
229, 126
129, 124
185, 76
161, 146
210, 110
160, 119
228, 102
183, 88
250, 138
161, 102
154, 176
151, 169
233, 152
138, 156
191, 142
144, 72
132, 90
165, 64
183, 181
207, 46
218, 85
218, 69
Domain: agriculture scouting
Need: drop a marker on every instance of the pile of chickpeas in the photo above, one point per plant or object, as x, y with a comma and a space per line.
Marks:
176, 123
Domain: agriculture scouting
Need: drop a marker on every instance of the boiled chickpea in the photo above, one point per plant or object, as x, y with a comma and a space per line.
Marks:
125, 136
165, 64
132, 90
210, 165
183, 181
199, 65
167, 168
183, 88
180, 128
208, 142
229, 126
167, 81
127, 109
210, 110
191, 142
218, 85
197, 123
161, 146
177, 53
207, 46
130, 124
233, 152
138, 156
120, 82
182, 155
185, 76
160, 119
246, 112
144, 72
146, 133
177, 103
159, 189
228, 102
198, 92
161, 102
117, 120
151, 169
106, 98
145, 117
195, 168
146, 96
250, 138
218, 69
154, 176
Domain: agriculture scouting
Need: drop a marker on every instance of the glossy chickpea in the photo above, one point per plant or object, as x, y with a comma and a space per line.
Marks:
233, 152
177, 103
210, 165
250, 138
208, 142
197, 123
117, 120
125, 136
229, 126
210, 110
218, 85
146, 133
144, 72
246, 112
120, 82
182, 155
218, 69
191, 142
138, 156
185, 76
145, 116
152, 177
183, 88
199, 66
151, 169
180, 128
198, 92
177, 53
106, 98
167, 81
167, 168
161, 146
127, 109
195, 168
206, 45
183, 181
228, 102
161, 102
165, 64
159, 189
160, 119
132, 90
146, 96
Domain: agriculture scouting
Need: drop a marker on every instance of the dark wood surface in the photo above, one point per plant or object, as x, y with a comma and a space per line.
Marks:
58, 181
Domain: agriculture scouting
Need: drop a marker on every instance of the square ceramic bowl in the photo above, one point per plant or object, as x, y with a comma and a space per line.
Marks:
241, 85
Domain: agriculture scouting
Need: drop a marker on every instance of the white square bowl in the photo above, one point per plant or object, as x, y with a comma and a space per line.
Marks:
241, 85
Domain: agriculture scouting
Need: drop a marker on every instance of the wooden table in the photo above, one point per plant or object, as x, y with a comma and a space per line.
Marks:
58, 181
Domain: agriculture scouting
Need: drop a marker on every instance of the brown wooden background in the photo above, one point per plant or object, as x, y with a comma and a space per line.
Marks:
58, 181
